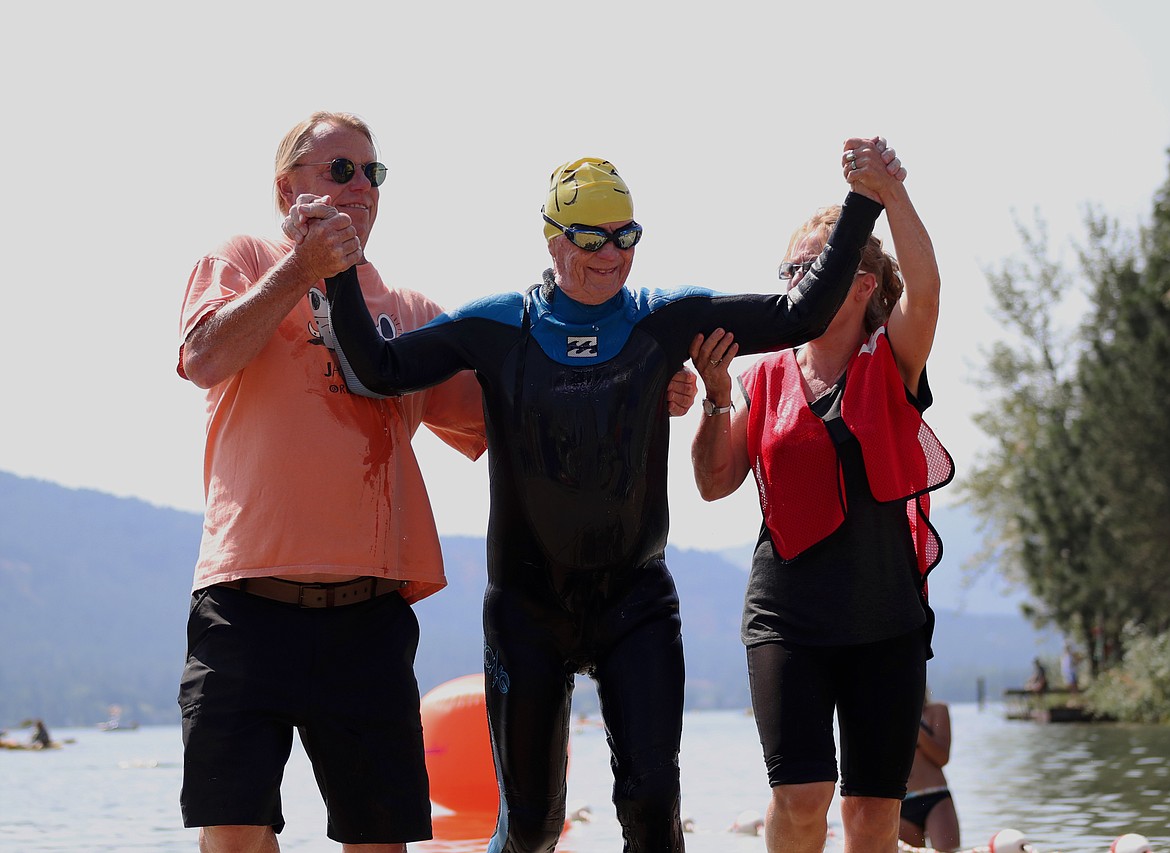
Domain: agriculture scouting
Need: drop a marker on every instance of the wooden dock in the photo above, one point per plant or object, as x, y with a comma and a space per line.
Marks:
1047, 706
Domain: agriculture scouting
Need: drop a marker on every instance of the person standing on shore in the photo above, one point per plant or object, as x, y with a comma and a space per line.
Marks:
836, 620
318, 533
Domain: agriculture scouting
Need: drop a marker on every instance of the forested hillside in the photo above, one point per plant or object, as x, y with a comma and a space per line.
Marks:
94, 591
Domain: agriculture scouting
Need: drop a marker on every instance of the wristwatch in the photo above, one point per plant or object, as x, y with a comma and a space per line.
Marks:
711, 410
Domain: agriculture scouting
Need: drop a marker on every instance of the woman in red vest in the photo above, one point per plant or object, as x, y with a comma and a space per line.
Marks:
836, 618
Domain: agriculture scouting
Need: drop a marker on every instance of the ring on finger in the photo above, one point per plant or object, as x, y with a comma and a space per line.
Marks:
852, 165
715, 362
850, 156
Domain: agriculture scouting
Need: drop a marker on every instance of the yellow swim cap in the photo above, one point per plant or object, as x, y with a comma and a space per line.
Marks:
588, 191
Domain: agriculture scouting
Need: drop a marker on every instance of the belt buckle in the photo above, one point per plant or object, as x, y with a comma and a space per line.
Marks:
301, 595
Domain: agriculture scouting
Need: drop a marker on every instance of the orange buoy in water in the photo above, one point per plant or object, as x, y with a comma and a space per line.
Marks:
458, 748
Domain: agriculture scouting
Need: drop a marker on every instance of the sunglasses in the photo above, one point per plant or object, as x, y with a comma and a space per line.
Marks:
789, 269
343, 169
592, 239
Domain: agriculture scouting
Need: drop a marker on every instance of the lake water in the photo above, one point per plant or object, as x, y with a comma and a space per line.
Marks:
1068, 787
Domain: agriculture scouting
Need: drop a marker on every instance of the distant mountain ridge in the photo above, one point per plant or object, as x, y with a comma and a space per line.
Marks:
94, 592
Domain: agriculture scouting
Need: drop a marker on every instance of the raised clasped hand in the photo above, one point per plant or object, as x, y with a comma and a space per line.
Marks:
325, 239
870, 166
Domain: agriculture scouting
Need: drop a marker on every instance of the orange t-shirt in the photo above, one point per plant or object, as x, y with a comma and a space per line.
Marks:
300, 475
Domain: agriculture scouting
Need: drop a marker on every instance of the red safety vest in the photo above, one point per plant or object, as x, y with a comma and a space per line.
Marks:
801, 485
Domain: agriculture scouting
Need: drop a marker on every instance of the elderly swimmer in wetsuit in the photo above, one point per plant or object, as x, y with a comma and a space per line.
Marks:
574, 375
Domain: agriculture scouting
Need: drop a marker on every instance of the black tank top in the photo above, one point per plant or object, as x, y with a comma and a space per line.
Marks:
859, 585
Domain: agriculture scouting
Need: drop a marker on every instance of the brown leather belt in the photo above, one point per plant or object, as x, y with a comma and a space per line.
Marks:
316, 594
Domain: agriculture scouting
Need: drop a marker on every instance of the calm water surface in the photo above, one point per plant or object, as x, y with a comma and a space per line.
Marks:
1068, 787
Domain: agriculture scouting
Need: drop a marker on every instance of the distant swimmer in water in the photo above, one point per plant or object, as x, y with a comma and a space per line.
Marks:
40, 736
579, 812
748, 822
928, 811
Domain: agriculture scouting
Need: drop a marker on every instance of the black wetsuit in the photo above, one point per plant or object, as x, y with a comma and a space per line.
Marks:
577, 427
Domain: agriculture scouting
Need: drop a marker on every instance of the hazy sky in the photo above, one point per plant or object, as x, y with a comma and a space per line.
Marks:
142, 135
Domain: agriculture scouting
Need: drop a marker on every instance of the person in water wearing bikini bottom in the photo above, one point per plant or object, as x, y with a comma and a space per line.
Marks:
928, 810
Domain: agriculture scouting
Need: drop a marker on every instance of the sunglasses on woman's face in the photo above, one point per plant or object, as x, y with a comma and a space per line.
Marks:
789, 269
343, 169
592, 239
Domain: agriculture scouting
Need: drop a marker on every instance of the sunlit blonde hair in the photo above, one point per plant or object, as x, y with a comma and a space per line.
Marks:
874, 259
298, 141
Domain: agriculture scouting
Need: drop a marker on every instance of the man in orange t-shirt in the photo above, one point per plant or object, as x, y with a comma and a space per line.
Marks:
318, 531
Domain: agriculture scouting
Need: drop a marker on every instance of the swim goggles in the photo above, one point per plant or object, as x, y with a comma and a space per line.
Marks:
592, 239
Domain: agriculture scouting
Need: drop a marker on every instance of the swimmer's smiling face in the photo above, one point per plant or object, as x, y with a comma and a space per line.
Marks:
591, 277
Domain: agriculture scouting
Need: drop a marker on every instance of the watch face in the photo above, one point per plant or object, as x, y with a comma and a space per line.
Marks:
708, 407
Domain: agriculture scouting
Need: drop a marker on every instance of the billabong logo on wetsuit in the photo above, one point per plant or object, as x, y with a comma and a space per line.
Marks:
581, 346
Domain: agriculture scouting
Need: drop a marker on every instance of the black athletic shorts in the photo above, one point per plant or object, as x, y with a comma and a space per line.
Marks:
342, 676
876, 690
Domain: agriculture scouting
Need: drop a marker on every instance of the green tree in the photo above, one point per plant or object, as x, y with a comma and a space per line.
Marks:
1125, 384
1074, 494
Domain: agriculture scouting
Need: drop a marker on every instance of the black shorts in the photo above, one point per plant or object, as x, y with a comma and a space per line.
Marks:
876, 690
342, 676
